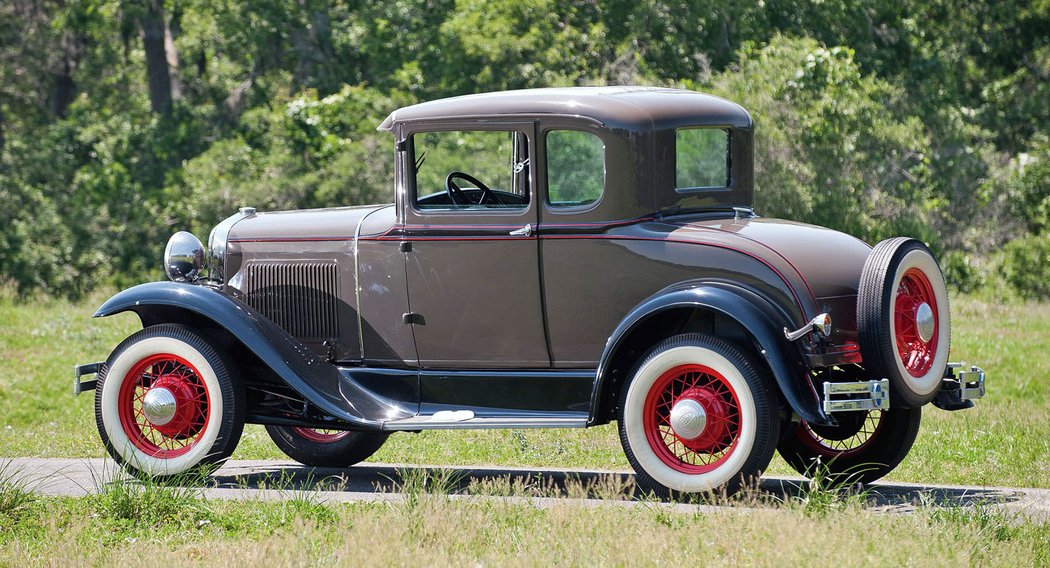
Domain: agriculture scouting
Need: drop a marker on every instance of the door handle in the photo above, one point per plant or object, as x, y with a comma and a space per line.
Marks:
525, 231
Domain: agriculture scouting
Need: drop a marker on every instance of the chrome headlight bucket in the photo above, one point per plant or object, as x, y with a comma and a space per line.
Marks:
183, 257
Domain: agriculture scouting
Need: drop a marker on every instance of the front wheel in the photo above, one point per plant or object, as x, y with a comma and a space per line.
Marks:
698, 415
864, 447
167, 404
326, 448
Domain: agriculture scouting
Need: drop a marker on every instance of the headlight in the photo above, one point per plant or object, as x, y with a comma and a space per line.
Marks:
183, 257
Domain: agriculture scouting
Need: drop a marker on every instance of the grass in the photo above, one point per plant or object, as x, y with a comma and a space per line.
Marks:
1004, 441
16, 495
440, 531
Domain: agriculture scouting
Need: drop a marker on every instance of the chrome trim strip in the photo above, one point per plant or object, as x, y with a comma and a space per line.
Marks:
218, 241
357, 280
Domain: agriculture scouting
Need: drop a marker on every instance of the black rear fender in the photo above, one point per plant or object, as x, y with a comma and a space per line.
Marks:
724, 310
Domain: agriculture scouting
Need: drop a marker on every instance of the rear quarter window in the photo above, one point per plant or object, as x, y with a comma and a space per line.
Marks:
702, 158
575, 168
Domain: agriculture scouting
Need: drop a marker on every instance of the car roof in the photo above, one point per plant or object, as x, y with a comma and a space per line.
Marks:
634, 108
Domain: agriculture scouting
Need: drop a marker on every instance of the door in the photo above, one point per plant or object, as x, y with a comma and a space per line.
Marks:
472, 255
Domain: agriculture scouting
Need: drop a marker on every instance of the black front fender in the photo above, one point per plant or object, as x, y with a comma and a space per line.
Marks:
318, 381
754, 313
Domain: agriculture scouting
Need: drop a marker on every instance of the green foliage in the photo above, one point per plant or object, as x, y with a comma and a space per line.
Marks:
829, 150
306, 152
1030, 188
15, 495
961, 272
1026, 266
877, 118
150, 503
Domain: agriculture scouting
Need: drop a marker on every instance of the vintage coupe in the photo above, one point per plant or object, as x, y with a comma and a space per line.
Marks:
553, 258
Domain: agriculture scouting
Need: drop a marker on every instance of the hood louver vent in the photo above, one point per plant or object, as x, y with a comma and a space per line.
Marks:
301, 297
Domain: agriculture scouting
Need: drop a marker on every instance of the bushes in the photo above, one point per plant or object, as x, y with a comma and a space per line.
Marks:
831, 147
1026, 266
879, 123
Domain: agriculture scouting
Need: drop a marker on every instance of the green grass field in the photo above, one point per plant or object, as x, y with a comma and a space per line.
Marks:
1004, 441
163, 526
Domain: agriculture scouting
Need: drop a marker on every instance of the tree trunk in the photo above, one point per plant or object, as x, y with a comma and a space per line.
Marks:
154, 32
63, 90
172, 29
313, 46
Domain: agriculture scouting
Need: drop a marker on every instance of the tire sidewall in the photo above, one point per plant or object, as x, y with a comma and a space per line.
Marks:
928, 384
109, 406
633, 418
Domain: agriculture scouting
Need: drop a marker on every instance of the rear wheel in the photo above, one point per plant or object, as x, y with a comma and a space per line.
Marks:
326, 448
697, 415
167, 404
864, 447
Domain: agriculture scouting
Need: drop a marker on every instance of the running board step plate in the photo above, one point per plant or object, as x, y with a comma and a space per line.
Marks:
862, 395
467, 420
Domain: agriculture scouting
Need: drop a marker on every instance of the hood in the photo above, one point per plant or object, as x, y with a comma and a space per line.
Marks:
335, 224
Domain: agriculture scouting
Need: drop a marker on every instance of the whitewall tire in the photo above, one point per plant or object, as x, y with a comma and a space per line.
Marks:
903, 320
698, 415
166, 403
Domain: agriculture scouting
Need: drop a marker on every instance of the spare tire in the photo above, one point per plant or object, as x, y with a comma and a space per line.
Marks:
903, 321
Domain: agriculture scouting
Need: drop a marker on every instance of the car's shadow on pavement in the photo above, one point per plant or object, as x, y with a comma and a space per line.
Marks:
553, 483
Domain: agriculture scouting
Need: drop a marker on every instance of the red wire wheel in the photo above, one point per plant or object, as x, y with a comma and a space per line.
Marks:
167, 403
857, 431
902, 320
915, 302
319, 435
177, 377
713, 446
698, 414
863, 447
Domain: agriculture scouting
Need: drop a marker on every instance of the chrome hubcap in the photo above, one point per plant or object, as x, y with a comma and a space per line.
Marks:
688, 419
924, 322
159, 406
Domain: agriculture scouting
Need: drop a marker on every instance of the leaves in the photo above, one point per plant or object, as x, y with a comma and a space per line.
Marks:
923, 117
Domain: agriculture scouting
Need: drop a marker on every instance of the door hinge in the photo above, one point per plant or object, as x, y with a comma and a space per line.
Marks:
405, 246
412, 318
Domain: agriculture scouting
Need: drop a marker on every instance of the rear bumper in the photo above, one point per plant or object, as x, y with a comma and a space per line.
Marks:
80, 371
961, 386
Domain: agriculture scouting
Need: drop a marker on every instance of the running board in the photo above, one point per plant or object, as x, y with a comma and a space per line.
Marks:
467, 420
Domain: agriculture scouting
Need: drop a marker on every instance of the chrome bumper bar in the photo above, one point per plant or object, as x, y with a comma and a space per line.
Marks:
91, 369
962, 384
862, 395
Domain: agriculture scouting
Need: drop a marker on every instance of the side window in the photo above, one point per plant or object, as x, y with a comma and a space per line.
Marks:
702, 158
575, 168
471, 169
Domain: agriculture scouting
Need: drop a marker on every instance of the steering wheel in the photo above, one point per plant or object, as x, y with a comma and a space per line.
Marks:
456, 195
